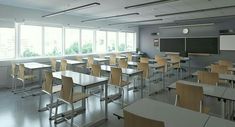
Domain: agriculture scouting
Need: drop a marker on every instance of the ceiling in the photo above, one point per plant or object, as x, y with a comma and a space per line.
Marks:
116, 7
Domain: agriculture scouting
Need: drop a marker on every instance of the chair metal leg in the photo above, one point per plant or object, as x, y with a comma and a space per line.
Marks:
40, 99
72, 115
56, 110
122, 97
50, 107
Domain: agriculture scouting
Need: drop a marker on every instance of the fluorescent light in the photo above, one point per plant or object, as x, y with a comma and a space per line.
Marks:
191, 25
135, 22
71, 9
150, 4
194, 11
109, 17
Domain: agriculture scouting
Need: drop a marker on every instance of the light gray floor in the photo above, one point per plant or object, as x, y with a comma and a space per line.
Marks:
18, 112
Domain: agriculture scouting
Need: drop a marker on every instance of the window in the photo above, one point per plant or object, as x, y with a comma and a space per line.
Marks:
111, 41
130, 41
72, 41
100, 41
7, 42
30, 41
53, 41
87, 40
121, 41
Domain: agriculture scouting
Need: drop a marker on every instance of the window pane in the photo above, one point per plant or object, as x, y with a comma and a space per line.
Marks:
100, 41
111, 42
87, 40
121, 41
7, 42
72, 41
53, 41
30, 41
130, 41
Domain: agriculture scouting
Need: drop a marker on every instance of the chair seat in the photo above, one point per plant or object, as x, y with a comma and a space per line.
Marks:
56, 88
79, 96
29, 77
124, 83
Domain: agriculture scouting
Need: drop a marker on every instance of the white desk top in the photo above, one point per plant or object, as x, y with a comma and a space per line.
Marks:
72, 62
209, 90
79, 78
221, 76
229, 94
171, 115
35, 65
131, 63
117, 57
97, 59
126, 71
218, 122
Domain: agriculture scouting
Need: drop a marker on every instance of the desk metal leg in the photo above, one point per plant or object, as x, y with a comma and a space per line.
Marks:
189, 68
142, 85
83, 100
223, 108
106, 101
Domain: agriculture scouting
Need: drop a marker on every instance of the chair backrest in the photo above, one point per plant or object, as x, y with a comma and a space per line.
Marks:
175, 59
115, 76
144, 60
90, 61
133, 120
211, 78
189, 96
145, 68
227, 63
63, 65
13, 69
157, 57
122, 63
48, 81
162, 62
221, 69
79, 58
66, 92
129, 56
95, 70
112, 59
21, 71
53, 64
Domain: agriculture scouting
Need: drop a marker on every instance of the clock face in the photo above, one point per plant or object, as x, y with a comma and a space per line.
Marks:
185, 31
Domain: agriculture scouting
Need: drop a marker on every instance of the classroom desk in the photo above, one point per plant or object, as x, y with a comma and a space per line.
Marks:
218, 122
229, 77
98, 60
72, 63
117, 57
86, 81
129, 72
32, 66
171, 115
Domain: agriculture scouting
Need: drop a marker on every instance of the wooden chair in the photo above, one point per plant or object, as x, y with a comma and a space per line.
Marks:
79, 58
157, 57
112, 60
190, 97
211, 78
175, 63
90, 61
21, 76
95, 70
63, 65
129, 56
221, 69
68, 96
115, 79
144, 60
53, 64
133, 120
49, 89
122, 63
227, 63
146, 73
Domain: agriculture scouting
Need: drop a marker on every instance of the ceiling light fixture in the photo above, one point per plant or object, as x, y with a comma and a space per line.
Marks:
191, 25
150, 4
109, 17
194, 11
71, 9
152, 20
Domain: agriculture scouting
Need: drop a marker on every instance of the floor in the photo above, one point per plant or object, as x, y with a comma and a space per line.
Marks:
18, 112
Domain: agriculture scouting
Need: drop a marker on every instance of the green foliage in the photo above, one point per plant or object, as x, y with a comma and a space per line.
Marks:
28, 53
121, 47
55, 52
73, 49
87, 48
